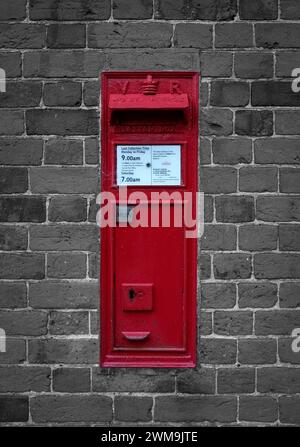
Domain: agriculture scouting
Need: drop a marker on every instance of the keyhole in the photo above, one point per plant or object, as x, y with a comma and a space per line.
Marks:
131, 294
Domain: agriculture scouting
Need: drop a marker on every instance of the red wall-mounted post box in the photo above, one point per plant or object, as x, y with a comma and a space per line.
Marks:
149, 135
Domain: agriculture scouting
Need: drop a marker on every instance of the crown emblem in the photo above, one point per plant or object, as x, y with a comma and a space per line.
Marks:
149, 87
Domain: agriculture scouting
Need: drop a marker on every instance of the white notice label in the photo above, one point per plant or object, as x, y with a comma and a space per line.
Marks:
149, 165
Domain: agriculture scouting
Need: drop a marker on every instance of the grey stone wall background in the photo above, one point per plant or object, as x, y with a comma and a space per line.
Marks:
52, 52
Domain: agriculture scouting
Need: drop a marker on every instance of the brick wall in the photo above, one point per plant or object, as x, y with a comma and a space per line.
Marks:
249, 268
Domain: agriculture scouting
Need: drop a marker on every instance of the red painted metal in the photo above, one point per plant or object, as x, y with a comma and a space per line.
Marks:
149, 275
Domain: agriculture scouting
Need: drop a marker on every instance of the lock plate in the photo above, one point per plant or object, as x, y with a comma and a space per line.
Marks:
137, 297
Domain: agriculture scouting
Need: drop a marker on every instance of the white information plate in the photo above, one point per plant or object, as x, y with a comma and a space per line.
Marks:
148, 165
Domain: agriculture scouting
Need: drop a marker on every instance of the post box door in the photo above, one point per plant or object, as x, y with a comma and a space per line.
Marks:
149, 283
148, 272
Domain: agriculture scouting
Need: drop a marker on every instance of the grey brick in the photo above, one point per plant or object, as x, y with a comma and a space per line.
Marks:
22, 35
66, 265
23, 209
71, 380
170, 59
61, 122
289, 409
233, 35
289, 294
258, 9
208, 208
277, 150
194, 10
258, 409
21, 379
91, 151
23, 322
273, 93
236, 380
276, 322
22, 266
218, 180
66, 180
133, 408
289, 237
11, 122
12, 294
205, 265
254, 122
67, 209
286, 61
200, 381
62, 94
63, 63
71, 408
13, 238
277, 265
15, 352
218, 295
192, 35
93, 267
205, 325
277, 35
68, 323
257, 351
229, 93
204, 94
218, 237
258, 179
21, 94
216, 63
127, 35
135, 9
234, 208
64, 237
69, 10
71, 351
278, 208
66, 35
64, 295
25, 151
13, 180
11, 61
290, 10
232, 266
94, 322
257, 294
195, 408
216, 121
232, 150
289, 180
91, 93
63, 151
133, 380
278, 380
285, 351
13, 11
14, 408
205, 151
233, 322
258, 237
217, 351
253, 65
